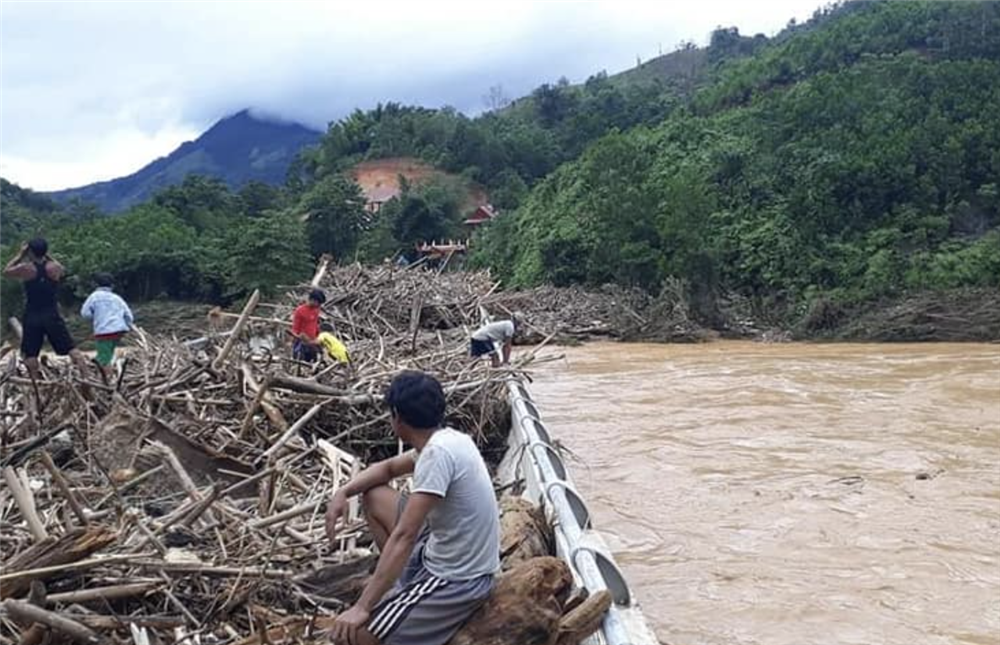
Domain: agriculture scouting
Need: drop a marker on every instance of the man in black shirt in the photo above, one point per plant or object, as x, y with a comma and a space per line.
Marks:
41, 275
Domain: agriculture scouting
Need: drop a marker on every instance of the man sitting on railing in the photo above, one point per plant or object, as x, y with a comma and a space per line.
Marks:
440, 546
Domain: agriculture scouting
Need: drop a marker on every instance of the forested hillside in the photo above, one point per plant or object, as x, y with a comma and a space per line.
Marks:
203, 240
852, 158
856, 158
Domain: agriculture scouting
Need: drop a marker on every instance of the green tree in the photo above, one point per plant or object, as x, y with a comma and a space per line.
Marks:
264, 252
258, 198
335, 216
202, 202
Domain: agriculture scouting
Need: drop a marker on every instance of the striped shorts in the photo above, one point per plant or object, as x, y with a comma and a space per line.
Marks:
423, 609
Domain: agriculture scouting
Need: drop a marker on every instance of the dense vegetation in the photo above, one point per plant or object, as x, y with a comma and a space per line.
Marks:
199, 240
852, 157
506, 150
857, 158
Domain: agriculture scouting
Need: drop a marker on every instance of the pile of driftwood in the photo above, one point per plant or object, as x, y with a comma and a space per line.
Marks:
568, 314
180, 497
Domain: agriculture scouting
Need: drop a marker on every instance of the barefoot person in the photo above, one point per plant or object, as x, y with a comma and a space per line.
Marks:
440, 546
41, 274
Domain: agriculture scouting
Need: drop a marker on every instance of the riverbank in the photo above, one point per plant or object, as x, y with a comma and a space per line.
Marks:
967, 315
573, 314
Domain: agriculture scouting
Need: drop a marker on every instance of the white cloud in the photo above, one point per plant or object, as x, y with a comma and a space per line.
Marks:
94, 90
123, 151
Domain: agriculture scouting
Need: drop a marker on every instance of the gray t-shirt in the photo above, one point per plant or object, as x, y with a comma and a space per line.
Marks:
464, 540
498, 332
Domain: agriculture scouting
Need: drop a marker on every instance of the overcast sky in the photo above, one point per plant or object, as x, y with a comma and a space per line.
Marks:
95, 90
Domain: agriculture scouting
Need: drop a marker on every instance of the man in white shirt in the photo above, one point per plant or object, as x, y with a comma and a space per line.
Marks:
440, 546
495, 339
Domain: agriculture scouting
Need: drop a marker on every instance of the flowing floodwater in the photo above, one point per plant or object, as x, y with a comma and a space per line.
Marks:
795, 493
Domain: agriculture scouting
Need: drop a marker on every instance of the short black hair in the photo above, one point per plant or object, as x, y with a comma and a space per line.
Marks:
417, 398
39, 246
317, 295
104, 279
325, 326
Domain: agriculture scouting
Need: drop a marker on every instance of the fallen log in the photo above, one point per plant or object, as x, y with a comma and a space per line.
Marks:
306, 386
335, 395
28, 613
345, 582
295, 629
524, 532
525, 607
68, 548
584, 619
112, 592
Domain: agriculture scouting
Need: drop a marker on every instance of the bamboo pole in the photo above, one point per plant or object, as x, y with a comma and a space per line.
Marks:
15, 326
292, 431
324, 264
297, 511
187, 483
266, 401
26, 612
237, 330
64, 488
25, 502
111, 592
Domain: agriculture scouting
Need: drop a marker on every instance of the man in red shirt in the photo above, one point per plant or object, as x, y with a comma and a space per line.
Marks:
305, 327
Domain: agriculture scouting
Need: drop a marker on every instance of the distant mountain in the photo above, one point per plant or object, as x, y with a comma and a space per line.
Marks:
237, 149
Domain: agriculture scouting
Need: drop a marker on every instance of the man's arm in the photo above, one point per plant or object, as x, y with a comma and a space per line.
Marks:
506, 351
87, 310
496, 356
17, 267
377, 474
390, 566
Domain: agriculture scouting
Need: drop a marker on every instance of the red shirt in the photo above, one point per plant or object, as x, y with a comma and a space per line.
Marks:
305, 320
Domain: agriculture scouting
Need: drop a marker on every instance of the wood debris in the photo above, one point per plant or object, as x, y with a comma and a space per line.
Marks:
184, 500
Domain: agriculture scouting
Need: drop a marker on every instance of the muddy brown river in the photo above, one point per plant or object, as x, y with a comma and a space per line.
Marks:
793, 493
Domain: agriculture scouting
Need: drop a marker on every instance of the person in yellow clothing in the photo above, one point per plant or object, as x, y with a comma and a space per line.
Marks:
332, 345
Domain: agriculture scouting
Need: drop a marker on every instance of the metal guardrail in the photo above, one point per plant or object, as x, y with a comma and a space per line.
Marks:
596, 570
572, 517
